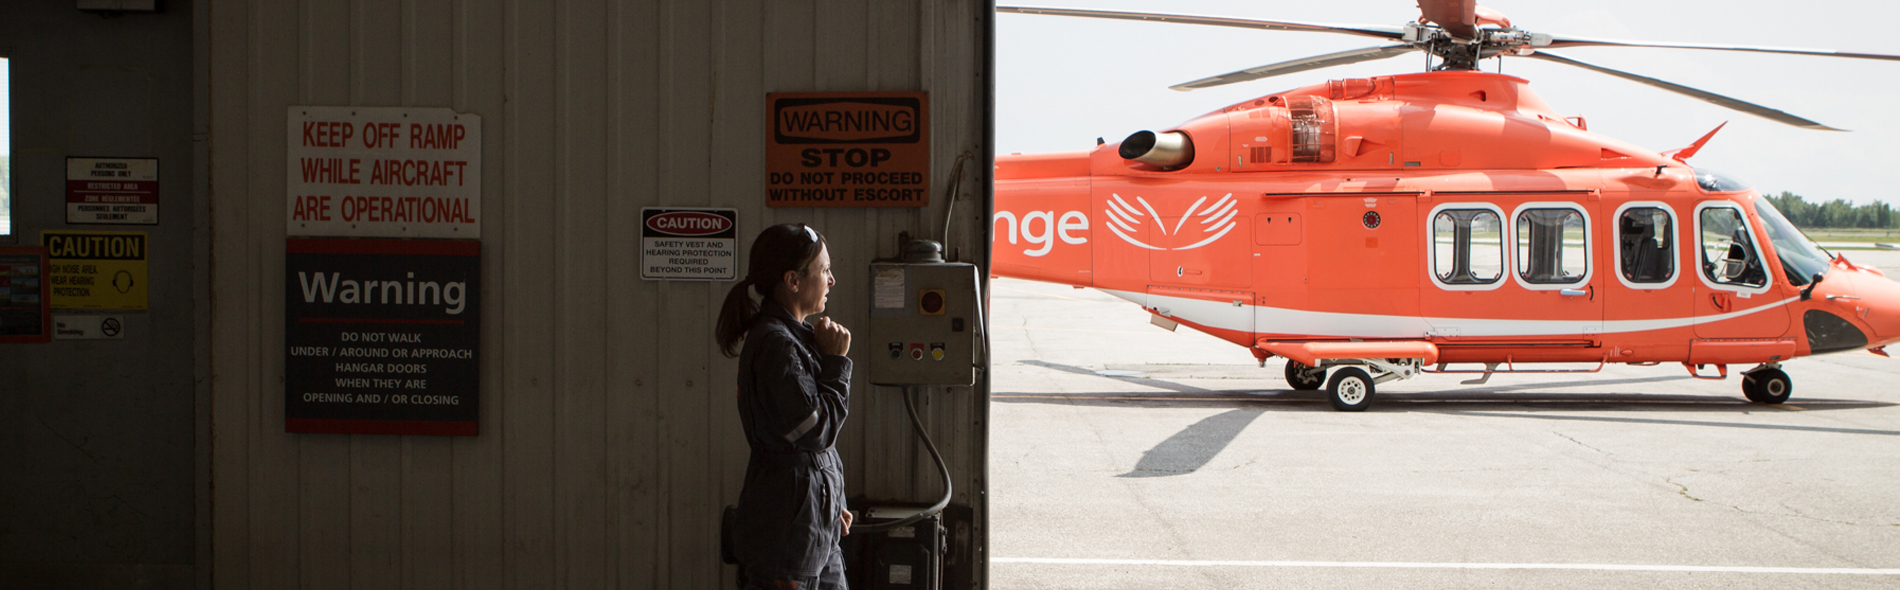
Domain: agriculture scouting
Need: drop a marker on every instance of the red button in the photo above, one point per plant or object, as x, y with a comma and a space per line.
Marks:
932, 302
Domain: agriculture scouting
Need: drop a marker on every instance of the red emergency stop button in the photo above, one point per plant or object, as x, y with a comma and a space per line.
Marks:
930, 302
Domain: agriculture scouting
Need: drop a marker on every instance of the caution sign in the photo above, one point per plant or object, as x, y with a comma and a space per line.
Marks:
382, 336
848, 149
24, 314
96, 269
689, 244
383, 172
112, 191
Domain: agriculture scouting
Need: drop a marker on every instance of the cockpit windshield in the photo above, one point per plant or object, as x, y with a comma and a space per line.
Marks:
1801, 259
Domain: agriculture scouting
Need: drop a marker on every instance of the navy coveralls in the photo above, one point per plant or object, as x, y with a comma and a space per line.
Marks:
792, 402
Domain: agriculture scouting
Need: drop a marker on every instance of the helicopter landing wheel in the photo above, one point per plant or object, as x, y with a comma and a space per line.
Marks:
1350, 390
1767, 386
1304, 377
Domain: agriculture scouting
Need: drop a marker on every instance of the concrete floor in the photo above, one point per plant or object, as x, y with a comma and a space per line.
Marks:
1125, 456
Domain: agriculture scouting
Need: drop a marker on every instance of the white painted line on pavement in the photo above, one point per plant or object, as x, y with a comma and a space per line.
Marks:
1461, 566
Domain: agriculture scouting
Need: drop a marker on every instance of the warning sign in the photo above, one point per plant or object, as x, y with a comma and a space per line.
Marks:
689, 244
112, 191
96, 269
384, 172
848, 149
382, 336
24, 315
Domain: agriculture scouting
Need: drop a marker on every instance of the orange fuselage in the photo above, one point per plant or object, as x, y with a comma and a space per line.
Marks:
1451, 208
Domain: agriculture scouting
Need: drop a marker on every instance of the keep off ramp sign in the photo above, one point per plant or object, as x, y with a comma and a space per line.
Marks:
387, 172
848, 149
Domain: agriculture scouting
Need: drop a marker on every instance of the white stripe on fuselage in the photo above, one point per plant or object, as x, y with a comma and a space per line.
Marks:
1214, 314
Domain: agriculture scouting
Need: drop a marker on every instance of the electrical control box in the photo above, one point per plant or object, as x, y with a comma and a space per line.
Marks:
923, 324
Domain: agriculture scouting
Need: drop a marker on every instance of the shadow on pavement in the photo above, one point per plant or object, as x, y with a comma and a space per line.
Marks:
1192, 447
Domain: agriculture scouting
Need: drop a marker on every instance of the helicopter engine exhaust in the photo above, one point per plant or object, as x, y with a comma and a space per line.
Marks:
1166, 150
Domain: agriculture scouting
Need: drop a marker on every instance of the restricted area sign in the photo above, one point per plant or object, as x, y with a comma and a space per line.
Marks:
848, 149
689, 244
112, 191
382, 336
96, 269
384, 172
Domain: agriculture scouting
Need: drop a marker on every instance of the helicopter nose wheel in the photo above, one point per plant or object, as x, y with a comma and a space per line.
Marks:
1350, 390
1303, 377
1767, 385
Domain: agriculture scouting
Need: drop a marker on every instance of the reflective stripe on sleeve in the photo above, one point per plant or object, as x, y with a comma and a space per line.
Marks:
803, 427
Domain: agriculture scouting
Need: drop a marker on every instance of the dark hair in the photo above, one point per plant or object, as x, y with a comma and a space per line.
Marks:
778, 249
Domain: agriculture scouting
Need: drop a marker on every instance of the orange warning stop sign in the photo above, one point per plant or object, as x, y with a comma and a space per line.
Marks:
848, 149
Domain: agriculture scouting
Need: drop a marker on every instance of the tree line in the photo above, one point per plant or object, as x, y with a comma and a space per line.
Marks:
1837, 213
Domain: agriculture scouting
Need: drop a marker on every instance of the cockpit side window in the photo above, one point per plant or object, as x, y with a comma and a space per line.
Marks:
1646, 245
1728, 253
1467, 247
1552, 247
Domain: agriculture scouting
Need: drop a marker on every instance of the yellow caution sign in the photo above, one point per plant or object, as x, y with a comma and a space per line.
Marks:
96, 269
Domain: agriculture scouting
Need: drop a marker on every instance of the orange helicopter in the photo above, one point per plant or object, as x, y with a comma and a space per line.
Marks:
1381, 228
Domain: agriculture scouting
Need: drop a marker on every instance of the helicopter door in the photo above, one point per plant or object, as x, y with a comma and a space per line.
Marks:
1360, 252
1736, 298
1508, 268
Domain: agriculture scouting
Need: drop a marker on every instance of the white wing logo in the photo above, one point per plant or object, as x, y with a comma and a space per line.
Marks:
1215, 221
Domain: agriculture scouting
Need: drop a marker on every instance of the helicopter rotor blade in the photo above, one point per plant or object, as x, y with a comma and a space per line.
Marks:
1458, 17
1297, 65
1381, 32
1713, 98
1587, 42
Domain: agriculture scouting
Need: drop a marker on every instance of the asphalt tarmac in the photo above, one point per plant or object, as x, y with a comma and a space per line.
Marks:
1126, 456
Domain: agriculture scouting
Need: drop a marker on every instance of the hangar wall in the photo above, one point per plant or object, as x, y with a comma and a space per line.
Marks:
101, 458
608, 438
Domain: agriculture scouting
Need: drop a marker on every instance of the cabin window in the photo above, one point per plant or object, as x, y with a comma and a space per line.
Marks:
1646, 244
1551, 246
1728, 254
1467, 247
1801, 259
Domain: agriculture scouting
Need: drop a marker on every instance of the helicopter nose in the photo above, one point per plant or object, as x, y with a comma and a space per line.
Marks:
1871, 299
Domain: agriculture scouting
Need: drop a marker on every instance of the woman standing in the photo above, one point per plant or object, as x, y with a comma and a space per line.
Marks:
794, 392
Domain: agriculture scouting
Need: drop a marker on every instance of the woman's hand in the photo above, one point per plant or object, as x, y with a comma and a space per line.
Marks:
832, 337
846, 519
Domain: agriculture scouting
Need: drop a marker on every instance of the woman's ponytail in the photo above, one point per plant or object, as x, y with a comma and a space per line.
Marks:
736, 317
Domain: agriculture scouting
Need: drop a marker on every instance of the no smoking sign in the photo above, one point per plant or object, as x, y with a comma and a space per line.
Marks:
88, 327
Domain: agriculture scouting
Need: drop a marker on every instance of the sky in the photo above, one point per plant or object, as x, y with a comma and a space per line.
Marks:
1063, 81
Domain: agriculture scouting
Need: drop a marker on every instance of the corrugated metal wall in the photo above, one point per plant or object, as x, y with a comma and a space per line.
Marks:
609, 439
